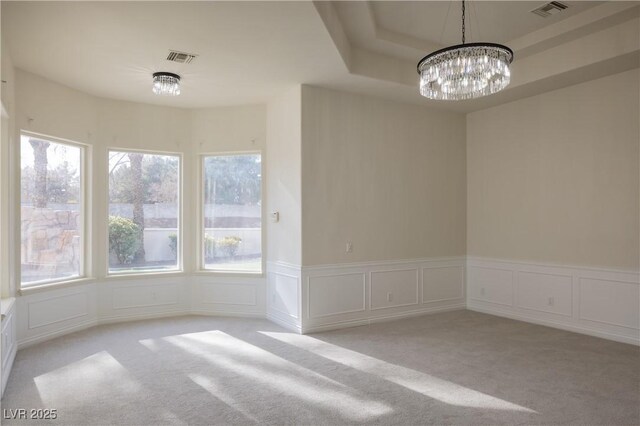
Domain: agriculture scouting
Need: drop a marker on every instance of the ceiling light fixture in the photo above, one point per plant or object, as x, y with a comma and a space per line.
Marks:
465, 71
166, 83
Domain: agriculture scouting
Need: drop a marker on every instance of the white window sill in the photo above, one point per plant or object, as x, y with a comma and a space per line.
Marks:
150, 274
36, 288
225, 273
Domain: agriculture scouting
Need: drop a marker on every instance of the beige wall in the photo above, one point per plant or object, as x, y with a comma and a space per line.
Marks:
389, 177
283, 164
554, 178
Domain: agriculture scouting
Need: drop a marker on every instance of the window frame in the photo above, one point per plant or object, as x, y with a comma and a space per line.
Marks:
201, 268
179, 250
84, 207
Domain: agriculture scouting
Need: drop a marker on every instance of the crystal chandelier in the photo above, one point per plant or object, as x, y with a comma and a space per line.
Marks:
465, 71
166, 83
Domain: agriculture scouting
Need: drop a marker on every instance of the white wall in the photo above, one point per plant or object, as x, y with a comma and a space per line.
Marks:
553, 208
283, 177
283, 195
52, 109
389, 177
229, 129
7, 132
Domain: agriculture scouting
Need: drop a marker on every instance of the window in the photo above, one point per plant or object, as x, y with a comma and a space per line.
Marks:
144, 212
51, 210
232, 231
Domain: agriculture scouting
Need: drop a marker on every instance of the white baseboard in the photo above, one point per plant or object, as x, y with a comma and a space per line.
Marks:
227, 314
554, 324
595, 301
289, 324
382, 318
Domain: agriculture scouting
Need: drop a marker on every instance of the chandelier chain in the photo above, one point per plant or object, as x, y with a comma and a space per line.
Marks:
463, 28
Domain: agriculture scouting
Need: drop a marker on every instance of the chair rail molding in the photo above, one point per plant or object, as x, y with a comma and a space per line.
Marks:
304, 299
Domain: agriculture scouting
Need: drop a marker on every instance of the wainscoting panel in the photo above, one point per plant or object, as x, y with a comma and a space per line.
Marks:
322, 288
491, 285
610, 302
9, 344
599, 302
284, 305
44, 315
229, 295
545, 292
54, 312
65, 307
442, 283
394, 288
142, 297
347, 295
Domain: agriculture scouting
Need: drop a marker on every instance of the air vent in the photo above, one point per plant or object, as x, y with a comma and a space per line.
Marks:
181, 57
549, 9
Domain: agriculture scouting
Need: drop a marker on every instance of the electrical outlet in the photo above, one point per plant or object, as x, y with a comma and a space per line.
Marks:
482, 291
551, 301
349, 248
389, 297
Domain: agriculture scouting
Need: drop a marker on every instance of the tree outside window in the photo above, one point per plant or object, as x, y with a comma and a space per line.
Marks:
143, 212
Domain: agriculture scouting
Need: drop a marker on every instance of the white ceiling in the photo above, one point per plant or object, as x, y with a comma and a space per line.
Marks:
251, 51
248, 51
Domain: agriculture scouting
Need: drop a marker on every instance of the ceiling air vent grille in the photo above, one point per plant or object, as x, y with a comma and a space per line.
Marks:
549, 9
181, 57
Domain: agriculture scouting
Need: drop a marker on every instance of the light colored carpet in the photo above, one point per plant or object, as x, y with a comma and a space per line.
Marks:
451, 368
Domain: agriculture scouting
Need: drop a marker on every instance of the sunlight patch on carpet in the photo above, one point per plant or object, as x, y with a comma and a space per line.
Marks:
265, 369
88, 380
216, 390
433, 387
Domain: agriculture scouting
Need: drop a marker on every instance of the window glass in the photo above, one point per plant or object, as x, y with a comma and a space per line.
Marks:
232, 238
143, 212
51, 210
